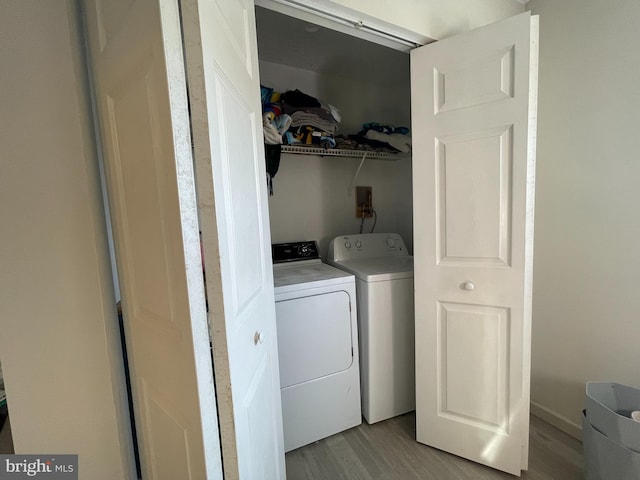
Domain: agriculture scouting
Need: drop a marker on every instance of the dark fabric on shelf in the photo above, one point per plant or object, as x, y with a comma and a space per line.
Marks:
299, 99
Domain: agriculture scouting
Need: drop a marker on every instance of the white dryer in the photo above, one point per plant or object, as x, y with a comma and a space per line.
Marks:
384, 280
316, 317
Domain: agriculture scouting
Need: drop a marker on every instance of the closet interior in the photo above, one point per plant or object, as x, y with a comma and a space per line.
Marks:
314, 189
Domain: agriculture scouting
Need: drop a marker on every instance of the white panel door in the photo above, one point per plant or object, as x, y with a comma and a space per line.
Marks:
138, 69
224, 91
473, 116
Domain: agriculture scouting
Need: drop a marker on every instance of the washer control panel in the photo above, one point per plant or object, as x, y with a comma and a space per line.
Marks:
366, 245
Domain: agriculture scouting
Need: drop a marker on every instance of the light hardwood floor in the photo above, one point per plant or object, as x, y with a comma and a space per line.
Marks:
388, 451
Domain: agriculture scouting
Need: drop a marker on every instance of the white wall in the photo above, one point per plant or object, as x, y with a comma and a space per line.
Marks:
437, 19
311, 198
312, 202
59, 345
586, 311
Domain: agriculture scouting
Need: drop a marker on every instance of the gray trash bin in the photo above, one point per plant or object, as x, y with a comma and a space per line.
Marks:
611, 438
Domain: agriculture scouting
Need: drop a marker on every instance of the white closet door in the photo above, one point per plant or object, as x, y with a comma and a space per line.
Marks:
224, 91
473, 117
138, 68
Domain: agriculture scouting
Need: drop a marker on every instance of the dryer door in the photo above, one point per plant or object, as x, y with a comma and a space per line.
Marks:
314, 336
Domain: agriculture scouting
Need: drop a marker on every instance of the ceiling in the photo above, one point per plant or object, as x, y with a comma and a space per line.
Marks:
288, 41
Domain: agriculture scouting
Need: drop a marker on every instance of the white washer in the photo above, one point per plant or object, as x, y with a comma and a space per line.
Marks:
384, 280
316, 318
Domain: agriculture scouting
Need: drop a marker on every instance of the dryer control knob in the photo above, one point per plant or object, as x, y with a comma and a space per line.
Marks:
391, 242
358, 244
469, 286
347, 245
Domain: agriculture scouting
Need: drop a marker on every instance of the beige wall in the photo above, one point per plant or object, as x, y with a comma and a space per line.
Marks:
586, 311
59, 343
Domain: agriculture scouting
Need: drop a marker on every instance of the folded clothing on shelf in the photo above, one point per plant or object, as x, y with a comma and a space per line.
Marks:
385, 136
309, 135
299, 99
379, 127
301, 118
304, 118
274, 127
399, 141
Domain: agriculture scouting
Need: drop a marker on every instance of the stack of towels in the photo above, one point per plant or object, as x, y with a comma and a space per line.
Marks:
293, 117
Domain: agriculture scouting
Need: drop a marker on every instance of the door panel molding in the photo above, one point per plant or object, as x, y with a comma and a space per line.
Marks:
487, 80
463, 162
474, 161
474, 339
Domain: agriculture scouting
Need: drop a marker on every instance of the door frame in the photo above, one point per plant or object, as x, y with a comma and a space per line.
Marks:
172, 51
348, 21
344, 20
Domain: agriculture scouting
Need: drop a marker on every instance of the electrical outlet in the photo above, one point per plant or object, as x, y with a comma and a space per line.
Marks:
364, 202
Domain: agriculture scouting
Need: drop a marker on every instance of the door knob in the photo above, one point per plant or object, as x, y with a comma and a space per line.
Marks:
258, 337
469, 286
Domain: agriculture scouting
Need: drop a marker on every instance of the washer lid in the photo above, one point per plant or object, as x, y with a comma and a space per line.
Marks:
307, 274
379, 269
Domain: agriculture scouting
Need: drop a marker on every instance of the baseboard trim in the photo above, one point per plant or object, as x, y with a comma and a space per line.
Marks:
558, 421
